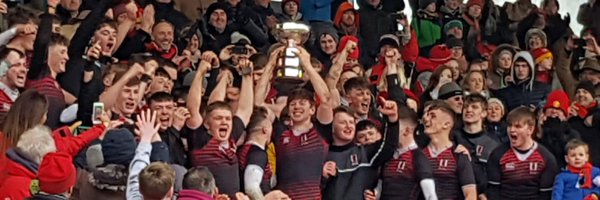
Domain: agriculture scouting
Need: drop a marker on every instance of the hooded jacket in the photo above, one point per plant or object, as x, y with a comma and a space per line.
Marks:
535, 31
379, 24
21, 171
337, 21
495, 74
524, 92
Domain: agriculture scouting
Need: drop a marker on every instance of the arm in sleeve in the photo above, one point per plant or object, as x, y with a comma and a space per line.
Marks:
494, 174
559, 186
38, 66
133, 43
583, 16
547, 176
380, 152
139, 162
410, 52
7, 35
466, 177
425, 174
253, 174
73, 145
395, 90
563, 67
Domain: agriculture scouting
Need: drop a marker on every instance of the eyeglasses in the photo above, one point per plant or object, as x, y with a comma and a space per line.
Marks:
457, 98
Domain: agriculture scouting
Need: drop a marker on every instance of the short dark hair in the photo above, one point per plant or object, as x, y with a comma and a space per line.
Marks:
4, 51
366, 124
407, 114
259, 60
156, 180
58, 39
476, 98
21, 15
107, 22
259, 115
161, 72
301, 94
444, 107
160, 97
355, 83
200, 179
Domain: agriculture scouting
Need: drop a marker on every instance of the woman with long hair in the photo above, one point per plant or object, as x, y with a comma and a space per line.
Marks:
29, 110
442, 75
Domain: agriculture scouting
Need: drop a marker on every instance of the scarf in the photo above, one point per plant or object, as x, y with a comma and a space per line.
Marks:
585, 174
472, 22
169, 55
583, 111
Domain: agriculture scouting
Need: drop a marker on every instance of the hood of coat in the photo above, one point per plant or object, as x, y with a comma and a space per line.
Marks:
537, 32
346, 6
19, 165
495, 63
111, 177
524, 55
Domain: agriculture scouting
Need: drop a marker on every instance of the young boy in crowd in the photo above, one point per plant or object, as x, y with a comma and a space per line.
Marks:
580, 180
56, 177
524, 169
543, 61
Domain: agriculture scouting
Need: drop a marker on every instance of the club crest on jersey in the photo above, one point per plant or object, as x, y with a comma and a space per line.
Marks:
534, 168
479, 150
401, 166
443, 163
354, 159
286, 140
304, 139
509, 166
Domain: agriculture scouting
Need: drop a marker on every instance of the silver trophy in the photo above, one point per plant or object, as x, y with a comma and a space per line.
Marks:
291, 35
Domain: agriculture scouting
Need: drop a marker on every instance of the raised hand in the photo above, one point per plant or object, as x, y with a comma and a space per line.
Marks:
389, 108
94, 52
304, 57
53, 3
329, 169
276, 195
225, 53
146, 125
211, 58
350, 46
148, 19
180, 115
26, 29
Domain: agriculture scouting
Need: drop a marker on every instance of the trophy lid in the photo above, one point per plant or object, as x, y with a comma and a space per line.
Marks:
292, 30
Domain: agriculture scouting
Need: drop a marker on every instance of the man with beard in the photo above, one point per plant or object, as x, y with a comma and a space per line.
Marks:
302, 149
452, 172
354, 165
555, 131
474, 137
213, 143
524, 169
13, 74
346, 20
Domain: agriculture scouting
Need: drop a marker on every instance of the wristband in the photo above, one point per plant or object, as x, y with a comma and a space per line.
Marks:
146, 78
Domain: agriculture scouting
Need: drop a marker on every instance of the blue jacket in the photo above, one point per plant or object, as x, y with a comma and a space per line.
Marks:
316, 10
566, 187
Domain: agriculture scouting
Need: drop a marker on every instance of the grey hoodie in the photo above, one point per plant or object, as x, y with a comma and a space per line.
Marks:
527, 57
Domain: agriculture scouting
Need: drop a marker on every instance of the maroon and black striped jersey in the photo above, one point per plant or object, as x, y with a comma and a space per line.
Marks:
220, 159
521, 175
402, 174
451, 172
300, 159
251, 154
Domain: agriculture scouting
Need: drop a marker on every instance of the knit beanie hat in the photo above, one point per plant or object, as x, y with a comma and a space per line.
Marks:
57, 173
449, 90
499, 102
479, 3
558, 99
237, 37
440, 54
587, 86
118, 147
213, 7
424, 3
356, 53
389, 39
287, 1
541, 54
453, 24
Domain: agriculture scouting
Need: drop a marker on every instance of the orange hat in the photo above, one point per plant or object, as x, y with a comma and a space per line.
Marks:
558, 99
541, 54
56, 173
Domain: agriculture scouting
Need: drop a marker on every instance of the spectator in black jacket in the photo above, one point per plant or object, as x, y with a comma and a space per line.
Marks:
218, 30
524, 90
165, 10
381, 24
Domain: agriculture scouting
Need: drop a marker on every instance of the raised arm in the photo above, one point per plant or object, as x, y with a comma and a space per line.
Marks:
335, 72
108, 96
194, 99
220, 92
148, 133
246, 100
380, 152
262, 86
394, 84
38, 66
325, 109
